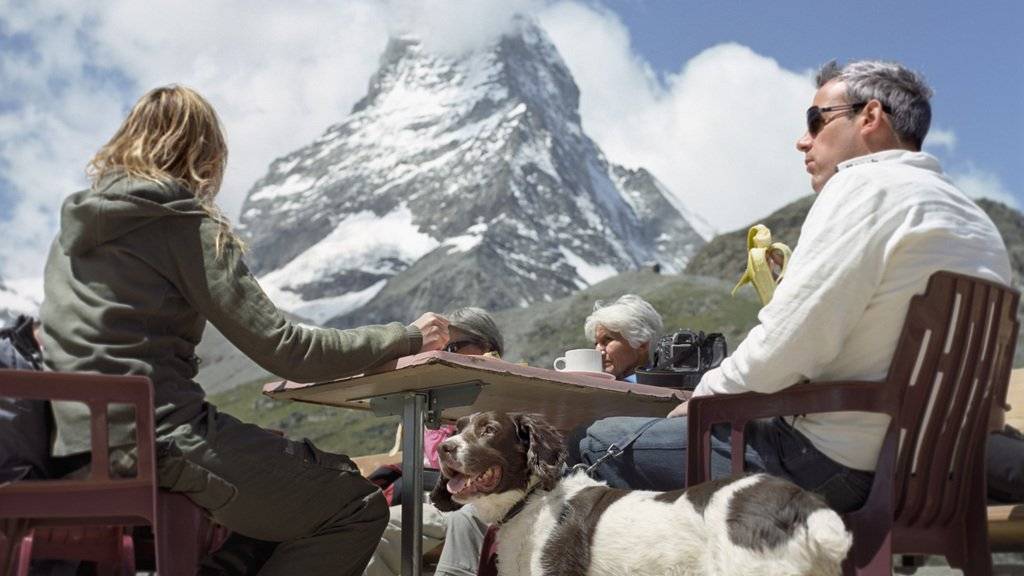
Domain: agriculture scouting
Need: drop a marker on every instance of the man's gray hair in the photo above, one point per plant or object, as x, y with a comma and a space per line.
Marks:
631, 316
903, 91
479, 325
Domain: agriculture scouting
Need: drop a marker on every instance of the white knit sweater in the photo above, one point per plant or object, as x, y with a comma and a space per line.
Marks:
881, 226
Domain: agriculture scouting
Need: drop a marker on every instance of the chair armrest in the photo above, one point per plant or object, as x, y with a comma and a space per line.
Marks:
806, 398
738, 409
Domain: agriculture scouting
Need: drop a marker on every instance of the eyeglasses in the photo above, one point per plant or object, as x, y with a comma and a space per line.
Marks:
460, 344
816, 122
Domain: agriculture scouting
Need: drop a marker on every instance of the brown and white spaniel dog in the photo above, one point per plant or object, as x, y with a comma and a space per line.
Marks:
509, 467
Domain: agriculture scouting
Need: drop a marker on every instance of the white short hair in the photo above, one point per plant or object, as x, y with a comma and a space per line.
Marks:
631, 316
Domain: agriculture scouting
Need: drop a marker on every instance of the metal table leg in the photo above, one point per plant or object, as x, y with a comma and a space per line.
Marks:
418, 409
412, 483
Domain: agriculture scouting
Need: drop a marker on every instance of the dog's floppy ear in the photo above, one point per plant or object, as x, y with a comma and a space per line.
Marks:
545, 453
442, 498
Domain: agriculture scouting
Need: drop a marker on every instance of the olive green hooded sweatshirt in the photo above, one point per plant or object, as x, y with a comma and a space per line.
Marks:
131, 281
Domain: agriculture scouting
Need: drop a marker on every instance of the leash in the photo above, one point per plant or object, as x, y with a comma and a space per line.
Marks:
518, 507
614, 450
760, 250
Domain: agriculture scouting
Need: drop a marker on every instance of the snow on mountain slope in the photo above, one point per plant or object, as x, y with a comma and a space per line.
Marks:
457, 181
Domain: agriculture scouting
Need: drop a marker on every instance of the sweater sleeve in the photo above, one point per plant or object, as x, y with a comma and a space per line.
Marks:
228, 295
831, 278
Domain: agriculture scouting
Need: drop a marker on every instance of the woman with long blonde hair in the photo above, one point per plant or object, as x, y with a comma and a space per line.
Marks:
143, 260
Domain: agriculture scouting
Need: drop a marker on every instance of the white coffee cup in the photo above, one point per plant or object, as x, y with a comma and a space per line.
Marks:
579, 360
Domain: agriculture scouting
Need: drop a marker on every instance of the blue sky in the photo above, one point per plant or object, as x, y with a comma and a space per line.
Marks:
709, 96
970, 52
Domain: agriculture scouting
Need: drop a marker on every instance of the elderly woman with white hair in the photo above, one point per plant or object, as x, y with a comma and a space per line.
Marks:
622, 332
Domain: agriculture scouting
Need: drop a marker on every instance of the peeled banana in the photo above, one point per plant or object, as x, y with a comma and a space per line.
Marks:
761, 252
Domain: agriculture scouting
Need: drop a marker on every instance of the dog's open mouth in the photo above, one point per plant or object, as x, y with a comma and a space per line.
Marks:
463, 486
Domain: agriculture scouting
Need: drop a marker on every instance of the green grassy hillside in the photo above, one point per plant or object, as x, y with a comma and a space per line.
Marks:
540, 333
347, 431
725, 256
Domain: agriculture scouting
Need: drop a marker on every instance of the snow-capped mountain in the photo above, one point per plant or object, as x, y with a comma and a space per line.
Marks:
457, 181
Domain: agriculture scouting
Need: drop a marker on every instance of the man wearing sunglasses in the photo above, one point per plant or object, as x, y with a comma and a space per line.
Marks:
853, 119
884, 220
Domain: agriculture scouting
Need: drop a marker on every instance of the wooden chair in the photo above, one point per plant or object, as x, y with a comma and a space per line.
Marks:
952, 363
67, 518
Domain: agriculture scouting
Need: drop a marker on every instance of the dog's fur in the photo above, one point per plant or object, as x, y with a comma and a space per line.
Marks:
575, 526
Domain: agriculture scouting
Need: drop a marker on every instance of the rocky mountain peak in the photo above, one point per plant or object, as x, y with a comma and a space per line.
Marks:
456, 181
523, 66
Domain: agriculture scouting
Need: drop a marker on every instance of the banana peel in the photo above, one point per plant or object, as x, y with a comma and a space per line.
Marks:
761, 252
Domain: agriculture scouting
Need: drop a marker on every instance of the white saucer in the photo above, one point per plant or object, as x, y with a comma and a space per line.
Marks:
604, 375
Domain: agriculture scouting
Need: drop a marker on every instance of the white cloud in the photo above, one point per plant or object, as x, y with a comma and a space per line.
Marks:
278, 73
938, 138
457, 26
978, 183
720, 132
21, 296
46, 140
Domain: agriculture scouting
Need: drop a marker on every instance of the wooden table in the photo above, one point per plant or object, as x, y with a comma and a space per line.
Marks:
434, 386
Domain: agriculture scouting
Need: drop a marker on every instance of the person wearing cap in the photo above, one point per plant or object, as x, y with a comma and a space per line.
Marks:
472, 331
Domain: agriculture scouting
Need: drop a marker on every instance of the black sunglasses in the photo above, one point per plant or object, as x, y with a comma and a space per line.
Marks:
460, 344
816, 122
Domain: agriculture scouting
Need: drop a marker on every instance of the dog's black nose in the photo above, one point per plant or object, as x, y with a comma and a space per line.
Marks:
446, 448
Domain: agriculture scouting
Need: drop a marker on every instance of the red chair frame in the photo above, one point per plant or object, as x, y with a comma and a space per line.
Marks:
180, 529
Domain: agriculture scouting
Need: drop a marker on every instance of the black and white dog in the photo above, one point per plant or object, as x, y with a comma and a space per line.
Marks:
508, 466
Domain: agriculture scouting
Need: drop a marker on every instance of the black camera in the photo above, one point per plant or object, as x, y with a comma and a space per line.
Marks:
680, 359
679, 352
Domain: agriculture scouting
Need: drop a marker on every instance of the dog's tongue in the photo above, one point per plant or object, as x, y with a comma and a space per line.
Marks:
457, 483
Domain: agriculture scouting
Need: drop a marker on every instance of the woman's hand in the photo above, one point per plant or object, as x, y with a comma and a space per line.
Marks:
434, 328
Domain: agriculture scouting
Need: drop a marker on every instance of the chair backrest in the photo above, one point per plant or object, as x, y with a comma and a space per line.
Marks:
952, 363
100, 498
